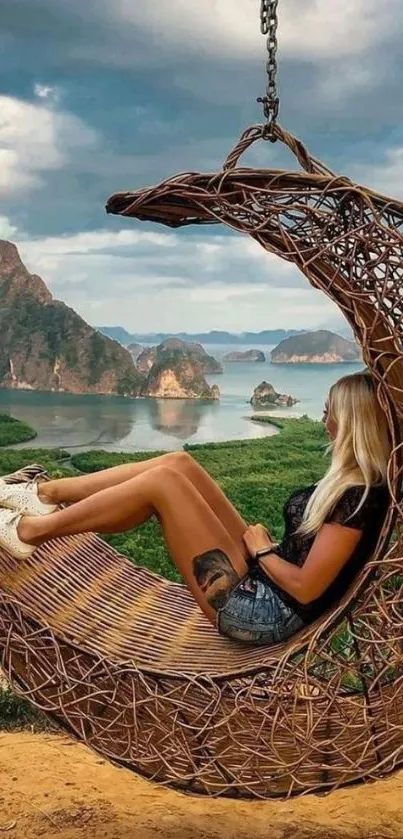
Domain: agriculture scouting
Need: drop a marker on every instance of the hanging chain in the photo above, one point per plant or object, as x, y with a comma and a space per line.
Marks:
271, 101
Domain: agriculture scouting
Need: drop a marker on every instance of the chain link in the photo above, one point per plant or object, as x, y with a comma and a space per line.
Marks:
268, 26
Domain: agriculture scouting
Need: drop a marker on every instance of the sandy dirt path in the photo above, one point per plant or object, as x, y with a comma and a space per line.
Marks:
53, 787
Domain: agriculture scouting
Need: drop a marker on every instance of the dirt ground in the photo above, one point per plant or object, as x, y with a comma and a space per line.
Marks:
53, 787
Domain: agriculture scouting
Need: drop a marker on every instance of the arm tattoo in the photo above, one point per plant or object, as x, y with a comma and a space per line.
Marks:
215, 575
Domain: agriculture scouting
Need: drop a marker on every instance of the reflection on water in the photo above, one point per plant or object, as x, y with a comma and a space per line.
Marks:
179, 418
117, 424
71, 421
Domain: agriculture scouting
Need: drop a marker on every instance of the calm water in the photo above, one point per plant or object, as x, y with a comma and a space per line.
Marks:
118, 424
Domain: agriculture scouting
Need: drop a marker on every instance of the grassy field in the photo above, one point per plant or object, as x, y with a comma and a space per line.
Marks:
257, 476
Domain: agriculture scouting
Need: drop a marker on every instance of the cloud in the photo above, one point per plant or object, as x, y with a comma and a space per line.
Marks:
161, 87
35, 139
311, 30
386, 175
148, 259
7, 230
150, 281
124, 33
44, 91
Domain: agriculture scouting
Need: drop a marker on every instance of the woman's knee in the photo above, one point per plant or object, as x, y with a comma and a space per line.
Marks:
181, 462
163, 481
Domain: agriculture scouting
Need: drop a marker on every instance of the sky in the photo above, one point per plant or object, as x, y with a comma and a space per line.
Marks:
108, 95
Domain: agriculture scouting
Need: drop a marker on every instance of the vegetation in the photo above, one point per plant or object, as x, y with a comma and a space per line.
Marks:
62, 332
12, 431
16, 713
51, 459
257, 476
30, 318
98, 358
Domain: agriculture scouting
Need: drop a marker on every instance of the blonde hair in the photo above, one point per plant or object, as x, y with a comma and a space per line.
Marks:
360, 450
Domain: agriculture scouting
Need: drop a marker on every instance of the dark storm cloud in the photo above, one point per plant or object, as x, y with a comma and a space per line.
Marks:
159, 106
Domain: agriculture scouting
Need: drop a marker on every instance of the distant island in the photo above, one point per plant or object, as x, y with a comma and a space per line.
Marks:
254, 356
267, 336
321, 347
177, 373
147, 356
265, 396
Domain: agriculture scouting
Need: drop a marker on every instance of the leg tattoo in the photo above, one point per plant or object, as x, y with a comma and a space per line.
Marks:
216, 576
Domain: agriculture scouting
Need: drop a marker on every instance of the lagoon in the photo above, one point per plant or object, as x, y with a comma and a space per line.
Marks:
80, 422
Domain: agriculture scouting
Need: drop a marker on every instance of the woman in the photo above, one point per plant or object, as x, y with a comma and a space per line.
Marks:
252, 589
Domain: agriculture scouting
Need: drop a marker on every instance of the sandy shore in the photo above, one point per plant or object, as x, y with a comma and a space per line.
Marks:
52, 787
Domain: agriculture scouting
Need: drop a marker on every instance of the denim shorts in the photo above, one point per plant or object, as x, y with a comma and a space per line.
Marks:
255, 613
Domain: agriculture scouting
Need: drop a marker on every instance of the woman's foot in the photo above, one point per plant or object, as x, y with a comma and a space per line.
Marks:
9, 538
24, 498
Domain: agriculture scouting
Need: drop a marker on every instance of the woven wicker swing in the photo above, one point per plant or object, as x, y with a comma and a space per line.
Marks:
125, 661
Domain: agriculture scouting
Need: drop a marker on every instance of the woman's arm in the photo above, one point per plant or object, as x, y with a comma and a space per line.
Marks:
332, 548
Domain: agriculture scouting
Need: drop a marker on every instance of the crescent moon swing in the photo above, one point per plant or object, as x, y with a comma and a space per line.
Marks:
123, 659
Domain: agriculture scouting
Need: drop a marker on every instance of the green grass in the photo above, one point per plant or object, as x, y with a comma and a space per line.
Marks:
13, 431
257, 476
51, 459
17, 713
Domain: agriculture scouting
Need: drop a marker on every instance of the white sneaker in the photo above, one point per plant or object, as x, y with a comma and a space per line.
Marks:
9, 539
24, 498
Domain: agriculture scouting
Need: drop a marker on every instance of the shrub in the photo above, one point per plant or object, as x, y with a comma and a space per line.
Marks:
13, 431
17, 713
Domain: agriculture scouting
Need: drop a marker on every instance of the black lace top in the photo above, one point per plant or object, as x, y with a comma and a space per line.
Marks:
295, 546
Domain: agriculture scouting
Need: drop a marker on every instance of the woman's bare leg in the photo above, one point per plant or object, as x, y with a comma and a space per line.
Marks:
76, 489
209, 560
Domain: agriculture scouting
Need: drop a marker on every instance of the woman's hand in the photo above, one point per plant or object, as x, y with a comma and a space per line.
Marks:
257, 537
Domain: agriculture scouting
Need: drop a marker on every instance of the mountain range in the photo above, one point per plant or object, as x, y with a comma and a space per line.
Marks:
267, 336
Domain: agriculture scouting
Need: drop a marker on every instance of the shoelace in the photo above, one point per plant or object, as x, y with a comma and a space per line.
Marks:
29, 485
13, 518
32, 484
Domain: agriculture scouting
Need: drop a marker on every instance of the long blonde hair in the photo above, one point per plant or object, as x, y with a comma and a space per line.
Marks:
360, 450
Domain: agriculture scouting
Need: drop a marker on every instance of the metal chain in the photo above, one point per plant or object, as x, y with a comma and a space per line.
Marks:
271, 101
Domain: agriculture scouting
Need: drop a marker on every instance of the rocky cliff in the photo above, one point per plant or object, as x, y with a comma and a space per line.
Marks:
321, 347
176, 374
135, 350
255, 356
265, 396
209, 365
146, 359
45, 345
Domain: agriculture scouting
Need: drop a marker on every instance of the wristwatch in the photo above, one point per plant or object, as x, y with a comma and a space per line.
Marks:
265, 551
